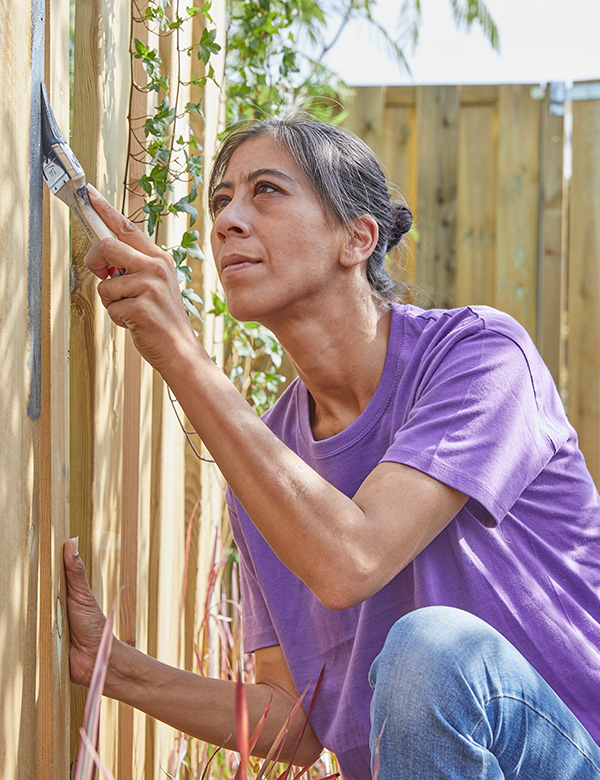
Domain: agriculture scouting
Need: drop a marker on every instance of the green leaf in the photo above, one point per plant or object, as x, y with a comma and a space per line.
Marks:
207, 45
219, 305
188, 301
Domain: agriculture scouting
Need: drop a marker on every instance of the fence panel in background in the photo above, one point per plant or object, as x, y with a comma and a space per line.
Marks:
583, 346
482, 169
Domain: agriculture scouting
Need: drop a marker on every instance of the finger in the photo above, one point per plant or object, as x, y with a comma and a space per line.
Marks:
112, 252
124, 229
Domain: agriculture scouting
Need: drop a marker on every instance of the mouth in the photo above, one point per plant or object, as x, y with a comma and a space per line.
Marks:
234, 262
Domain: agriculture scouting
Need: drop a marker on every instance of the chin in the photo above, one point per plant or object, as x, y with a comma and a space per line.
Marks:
244, 310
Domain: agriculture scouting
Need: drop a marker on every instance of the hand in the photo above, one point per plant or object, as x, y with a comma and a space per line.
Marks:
146, 299
86, 619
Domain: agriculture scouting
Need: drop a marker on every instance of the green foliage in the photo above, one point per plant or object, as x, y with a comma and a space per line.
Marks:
266, 70
254, 358
466, 14
166, 145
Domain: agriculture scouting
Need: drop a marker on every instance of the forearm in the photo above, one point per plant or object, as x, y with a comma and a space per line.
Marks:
305, 520
204, 707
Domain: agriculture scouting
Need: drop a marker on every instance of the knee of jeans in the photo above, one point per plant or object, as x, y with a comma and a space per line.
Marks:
426, 643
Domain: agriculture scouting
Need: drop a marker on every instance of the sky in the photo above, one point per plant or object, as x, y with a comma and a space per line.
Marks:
541, 41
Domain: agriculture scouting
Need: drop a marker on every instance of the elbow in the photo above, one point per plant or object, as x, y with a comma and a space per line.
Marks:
343, 593
351, 585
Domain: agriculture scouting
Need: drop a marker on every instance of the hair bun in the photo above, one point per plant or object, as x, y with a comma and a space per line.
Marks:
401, 223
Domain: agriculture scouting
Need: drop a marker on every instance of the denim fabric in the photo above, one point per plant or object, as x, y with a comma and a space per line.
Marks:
454, 700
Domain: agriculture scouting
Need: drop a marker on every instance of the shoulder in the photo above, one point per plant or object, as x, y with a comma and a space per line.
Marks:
440, 330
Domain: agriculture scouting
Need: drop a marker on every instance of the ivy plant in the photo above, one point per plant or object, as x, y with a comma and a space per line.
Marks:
169, 153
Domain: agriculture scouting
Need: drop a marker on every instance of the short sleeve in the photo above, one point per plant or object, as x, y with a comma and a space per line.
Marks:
477, 421
258, 629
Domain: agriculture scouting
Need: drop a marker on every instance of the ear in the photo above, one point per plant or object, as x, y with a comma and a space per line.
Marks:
361, 241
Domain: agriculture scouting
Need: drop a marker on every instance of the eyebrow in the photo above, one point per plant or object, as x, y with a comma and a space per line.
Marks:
256, 175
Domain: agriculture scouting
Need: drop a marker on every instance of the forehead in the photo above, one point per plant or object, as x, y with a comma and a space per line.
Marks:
261, 153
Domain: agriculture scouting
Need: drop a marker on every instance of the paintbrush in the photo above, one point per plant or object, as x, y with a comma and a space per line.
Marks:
66, 178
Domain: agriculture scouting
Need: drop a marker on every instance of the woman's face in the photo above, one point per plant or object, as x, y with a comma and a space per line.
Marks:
274, 248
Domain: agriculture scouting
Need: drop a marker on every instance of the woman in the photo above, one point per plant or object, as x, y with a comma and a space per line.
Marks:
414, 512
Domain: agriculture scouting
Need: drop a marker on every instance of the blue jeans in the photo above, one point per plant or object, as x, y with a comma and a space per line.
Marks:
454, 700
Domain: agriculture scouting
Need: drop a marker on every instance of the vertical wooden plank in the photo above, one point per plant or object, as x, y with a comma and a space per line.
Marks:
551, 266
203, 480
476, 205
83, 338
97, 347
54, 444
518, 193
584, 283
136, 446
399, 157
130, 497
20, 308
437, 121
366, 117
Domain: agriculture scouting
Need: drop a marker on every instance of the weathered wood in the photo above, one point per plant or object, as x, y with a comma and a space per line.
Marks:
517, 218
437, 123
476, 211
584, 283
551, 249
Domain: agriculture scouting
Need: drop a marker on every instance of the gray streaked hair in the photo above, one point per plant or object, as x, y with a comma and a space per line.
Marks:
344, 175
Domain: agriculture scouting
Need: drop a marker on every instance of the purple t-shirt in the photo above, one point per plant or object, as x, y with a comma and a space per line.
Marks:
464, 397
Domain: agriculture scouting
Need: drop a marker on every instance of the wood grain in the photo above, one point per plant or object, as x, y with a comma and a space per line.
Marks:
584, 283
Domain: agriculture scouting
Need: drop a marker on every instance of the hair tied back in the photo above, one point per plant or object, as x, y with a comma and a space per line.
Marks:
401, 223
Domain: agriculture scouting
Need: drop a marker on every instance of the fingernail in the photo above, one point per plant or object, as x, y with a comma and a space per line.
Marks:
76, 546
93, 191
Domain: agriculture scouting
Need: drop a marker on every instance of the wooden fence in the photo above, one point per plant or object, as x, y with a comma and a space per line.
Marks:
498, 221
91, 446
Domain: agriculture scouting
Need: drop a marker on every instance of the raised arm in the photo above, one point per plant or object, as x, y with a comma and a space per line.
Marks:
306, 521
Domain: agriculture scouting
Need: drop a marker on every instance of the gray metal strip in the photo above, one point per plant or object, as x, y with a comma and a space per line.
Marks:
36, 210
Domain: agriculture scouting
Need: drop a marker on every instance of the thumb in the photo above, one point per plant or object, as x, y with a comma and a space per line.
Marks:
74, 566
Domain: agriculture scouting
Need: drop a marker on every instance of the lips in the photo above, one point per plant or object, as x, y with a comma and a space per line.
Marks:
237, 262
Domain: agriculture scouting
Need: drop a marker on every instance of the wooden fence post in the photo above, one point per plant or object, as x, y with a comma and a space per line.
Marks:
518, 210
584, 283
477, 184
437, 127
54, 439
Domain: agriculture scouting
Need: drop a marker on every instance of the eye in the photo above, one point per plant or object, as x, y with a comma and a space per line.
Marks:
264, 187
219, 202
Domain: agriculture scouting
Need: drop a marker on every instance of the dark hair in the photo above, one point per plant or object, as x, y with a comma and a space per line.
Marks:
345, 177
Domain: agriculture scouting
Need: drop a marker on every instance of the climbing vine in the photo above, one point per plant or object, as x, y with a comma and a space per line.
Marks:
166, 144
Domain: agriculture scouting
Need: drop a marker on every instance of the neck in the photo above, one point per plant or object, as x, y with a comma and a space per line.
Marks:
339, 353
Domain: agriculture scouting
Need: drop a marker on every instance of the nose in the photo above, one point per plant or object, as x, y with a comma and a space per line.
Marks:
232, 220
